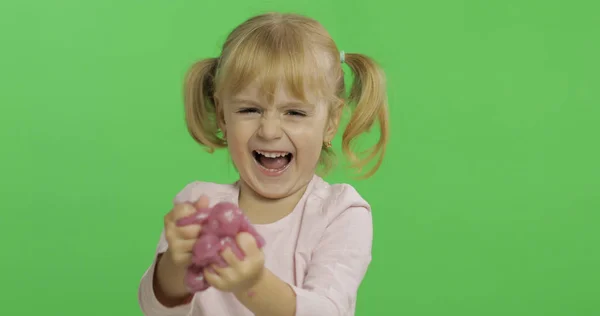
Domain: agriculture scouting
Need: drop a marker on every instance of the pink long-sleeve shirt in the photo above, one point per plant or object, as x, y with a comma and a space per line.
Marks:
322, 249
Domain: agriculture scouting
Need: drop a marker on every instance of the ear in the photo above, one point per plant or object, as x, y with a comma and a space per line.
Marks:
220, 115
334, 121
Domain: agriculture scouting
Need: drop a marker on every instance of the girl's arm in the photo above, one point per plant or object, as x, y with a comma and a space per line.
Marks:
337, 268
152, 300
269, 297
168, 287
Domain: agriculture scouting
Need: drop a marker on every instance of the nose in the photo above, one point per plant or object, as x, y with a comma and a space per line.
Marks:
270, 127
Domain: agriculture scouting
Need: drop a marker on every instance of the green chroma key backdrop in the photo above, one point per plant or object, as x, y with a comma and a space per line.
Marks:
487, 203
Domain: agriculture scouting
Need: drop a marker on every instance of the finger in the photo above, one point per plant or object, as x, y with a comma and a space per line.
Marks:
183, 210
229, 257
187, 220
247, 243
200, 213
233, 246
202, 202
190, 232
260, 241
210, 269
227, 274
185, 246
214, 279
175, 231
220, 271
186, 214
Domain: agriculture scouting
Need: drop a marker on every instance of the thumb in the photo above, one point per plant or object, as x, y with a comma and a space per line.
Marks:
247, 243
185, 214
201, 203
196, 213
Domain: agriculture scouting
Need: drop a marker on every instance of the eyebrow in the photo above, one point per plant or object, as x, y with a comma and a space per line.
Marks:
244, 101
285, 105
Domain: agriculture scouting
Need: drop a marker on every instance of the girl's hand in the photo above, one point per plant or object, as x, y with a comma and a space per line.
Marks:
240, 275
182, 239
169, 284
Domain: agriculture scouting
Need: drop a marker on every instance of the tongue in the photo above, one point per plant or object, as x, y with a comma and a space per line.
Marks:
273, 163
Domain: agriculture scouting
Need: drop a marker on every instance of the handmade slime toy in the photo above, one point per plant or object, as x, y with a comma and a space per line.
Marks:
220, 225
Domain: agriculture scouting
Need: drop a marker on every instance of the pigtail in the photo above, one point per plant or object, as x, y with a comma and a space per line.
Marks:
200, 113
368, 95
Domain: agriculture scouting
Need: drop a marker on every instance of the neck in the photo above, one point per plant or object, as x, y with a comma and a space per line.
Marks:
261, 210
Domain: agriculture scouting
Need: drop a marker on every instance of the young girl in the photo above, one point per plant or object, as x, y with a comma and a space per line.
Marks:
274, 98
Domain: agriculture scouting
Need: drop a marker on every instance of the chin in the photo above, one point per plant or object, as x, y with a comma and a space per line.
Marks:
272, 188
272, 192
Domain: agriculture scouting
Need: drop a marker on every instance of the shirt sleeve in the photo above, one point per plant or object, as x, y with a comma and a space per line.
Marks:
338, 266
147, 298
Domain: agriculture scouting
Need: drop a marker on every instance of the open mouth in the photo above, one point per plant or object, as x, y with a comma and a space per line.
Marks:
272, 161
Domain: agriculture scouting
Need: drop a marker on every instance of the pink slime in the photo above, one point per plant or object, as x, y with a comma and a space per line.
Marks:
220, 225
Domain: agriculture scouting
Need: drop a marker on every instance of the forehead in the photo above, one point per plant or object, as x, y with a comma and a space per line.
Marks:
272, 76
280, 94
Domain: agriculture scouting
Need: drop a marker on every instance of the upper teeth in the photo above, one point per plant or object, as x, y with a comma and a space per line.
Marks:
271, 155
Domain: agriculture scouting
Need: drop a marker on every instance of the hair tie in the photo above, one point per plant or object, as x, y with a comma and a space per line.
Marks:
343, 56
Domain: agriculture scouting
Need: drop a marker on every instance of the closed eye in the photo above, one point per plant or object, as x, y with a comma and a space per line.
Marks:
248, 110
296, 113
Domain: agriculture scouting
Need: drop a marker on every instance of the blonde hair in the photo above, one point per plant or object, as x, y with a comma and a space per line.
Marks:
298, 52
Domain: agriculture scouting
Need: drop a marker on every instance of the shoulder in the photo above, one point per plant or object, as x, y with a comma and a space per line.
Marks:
339, 222
340, 200
193, 190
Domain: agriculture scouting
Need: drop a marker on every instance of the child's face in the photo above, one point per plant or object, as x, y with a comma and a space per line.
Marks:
275, 147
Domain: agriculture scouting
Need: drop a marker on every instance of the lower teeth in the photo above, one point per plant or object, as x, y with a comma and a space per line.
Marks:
272, 170
258, 160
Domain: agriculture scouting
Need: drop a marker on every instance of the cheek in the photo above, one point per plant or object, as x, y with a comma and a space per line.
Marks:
238, 135
308, 138
306, 134
240, 130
